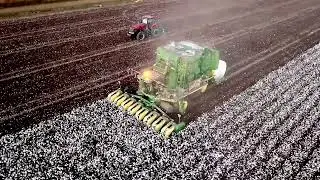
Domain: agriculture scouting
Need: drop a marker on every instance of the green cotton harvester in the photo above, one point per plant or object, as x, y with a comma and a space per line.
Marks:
181, 69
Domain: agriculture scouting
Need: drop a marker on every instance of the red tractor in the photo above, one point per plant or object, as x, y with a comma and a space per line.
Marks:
148, 26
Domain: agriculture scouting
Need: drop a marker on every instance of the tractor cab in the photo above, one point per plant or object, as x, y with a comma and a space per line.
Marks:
144, 21
148, 20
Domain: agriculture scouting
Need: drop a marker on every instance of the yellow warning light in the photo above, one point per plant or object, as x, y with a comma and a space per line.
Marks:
147, 75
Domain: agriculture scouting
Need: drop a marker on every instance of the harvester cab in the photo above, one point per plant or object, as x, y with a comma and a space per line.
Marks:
180, 70
148, 26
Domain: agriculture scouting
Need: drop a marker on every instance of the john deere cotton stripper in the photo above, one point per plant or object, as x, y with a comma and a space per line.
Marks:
181, 69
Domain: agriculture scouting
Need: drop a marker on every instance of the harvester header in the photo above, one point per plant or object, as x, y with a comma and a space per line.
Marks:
181, 69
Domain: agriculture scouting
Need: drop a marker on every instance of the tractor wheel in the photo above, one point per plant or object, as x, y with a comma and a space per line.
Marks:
141, 36
156, 32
